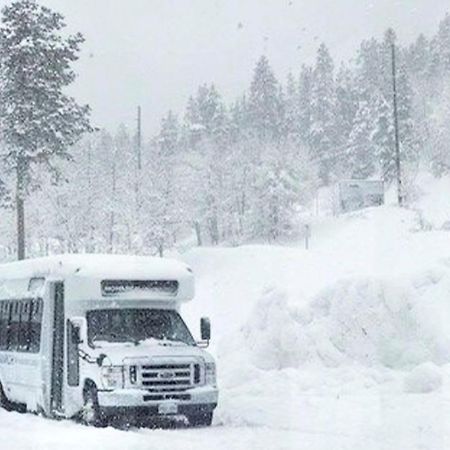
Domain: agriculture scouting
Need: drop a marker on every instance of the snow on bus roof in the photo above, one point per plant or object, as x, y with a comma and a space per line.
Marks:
102, 266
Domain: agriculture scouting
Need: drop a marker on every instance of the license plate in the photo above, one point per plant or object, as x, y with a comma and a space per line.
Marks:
168, 408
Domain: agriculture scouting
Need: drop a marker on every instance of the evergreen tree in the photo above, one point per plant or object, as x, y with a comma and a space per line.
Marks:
440, 48
409, 139
383, 137
360, 155
127, 223
291, 114
304, 104
38, 120
4, 195
206, 115
169, 135
439, 148
369, 69
323, 121
418, 58
264, 102
236, 121
347, 106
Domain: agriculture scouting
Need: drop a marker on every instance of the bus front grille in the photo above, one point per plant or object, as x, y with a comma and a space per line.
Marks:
170, 377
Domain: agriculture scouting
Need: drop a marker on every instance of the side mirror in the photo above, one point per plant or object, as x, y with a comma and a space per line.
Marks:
205, 329
78, 330
100, 359
76, 335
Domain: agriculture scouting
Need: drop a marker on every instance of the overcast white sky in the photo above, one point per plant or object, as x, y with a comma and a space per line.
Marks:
156, 52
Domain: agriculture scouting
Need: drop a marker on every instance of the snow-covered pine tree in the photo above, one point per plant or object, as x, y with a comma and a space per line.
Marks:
291, 113
264, 102
205, 115
369, 69
438, 155
440, 50
417, 59
236, 120
239, 121
383, 137
347, 105
283, 181
409, 139
127, 222
324, 138
161, 210
192, 126
360, 152
107, 154
3, 193
39, 121
169, 135
304, 104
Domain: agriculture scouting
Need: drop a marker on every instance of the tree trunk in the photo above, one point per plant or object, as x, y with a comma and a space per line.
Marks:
20, 209
198, 233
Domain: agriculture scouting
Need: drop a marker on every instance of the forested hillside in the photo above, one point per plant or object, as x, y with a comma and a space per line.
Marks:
239, 170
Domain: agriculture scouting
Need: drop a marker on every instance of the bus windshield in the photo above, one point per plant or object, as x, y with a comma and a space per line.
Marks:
136, 326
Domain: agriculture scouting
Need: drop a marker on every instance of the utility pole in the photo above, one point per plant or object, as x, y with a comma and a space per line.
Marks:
397, 141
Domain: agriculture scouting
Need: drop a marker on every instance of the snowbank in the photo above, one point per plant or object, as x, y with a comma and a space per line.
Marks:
361, 316
373, 290
432, 199
423, 379
369, 321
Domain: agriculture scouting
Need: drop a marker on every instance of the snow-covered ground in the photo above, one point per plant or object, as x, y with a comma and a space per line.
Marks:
344, 345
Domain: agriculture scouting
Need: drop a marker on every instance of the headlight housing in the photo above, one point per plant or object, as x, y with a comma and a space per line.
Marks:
112, 377
210, 373
132, 372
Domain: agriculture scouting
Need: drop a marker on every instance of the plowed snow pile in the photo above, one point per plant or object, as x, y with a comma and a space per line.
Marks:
365, 309
396, 324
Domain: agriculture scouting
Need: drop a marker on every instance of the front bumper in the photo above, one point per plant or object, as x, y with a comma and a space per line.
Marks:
123, 401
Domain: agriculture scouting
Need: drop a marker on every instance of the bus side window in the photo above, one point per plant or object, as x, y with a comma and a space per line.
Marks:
29, 317
3, 324
24, 325
35, 326
14, 327
9, 308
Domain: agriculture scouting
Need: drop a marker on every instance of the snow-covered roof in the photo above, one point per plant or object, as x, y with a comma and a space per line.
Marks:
96, 266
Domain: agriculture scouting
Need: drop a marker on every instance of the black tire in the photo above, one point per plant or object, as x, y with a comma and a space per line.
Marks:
91, 414
4, 402
201, 420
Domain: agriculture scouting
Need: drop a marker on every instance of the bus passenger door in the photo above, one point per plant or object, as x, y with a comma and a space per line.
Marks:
57, 353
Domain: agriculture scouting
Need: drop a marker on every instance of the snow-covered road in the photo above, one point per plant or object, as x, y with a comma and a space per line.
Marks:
369, 421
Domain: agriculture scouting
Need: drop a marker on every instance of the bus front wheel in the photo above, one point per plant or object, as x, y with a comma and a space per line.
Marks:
91, 414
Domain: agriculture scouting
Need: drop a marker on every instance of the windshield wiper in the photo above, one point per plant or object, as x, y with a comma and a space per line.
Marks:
128, 337
170, 342
115, 336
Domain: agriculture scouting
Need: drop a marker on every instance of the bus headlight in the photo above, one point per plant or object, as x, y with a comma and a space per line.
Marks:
210, 373
112, 377
133, 374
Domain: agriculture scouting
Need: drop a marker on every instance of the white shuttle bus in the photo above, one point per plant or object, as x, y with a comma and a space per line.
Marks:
96, 336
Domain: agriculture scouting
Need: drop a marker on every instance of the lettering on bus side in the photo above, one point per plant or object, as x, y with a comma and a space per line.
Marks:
12, 360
